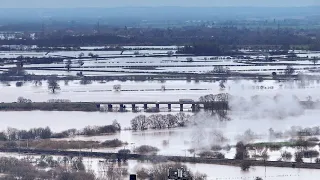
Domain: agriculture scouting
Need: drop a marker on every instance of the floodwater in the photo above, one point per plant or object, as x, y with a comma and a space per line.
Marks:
151, 90
179, 139
213, 172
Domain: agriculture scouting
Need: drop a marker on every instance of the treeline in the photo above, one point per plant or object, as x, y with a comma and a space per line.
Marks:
208, 49
31, 60
226, 36
61, 144
47, 106
159, 121
12, 134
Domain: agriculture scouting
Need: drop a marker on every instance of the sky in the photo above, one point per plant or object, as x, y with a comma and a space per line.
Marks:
141, 3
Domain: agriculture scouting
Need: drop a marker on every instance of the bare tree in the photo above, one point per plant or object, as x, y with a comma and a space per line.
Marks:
117, 87
81, 55
221, 84
314, 60
139, 123
156, 121
23, 100
90, 54
163, 88
68, 65
170, 53
81, 63
289, 70
170, 120
53, 85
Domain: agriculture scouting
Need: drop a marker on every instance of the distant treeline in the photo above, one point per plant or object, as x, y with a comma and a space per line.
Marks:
32, 60
208, 49
225, 36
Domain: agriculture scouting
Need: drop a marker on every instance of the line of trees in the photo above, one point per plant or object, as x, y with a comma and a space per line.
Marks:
158, 121
228, 35
12, 134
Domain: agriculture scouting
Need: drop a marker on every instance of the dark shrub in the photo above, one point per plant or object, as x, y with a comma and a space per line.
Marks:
245, 165
313, 139
10, 144
310, 154
145, 149
241, 151
216, 148
286, 155
113, 143
107, 129
210, 154
19, 84
123, 154
298, 157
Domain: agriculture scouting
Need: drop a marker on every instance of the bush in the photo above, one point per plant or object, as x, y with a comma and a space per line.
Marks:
42, 164
3, 136
210, 154
216, 148
112, 143
10, 144
298, 157
241, 151
93, 131
286, 155
76, 176
305, 144
227, 147
143, 173
275, 147
124, 151
145, 149
313, 139
165, 142
245, 165
49, 144
19, 84
310, 154
109, 129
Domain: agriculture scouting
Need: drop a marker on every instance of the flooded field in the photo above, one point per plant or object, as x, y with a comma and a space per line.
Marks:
178, 140
151, 90
201, 132
213, 172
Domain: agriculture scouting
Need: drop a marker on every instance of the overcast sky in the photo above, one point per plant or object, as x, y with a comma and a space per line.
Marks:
140, 3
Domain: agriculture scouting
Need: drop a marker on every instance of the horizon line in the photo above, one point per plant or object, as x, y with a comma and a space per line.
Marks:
206, 7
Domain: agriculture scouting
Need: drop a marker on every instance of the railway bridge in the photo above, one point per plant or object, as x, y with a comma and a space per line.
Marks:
153, 104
